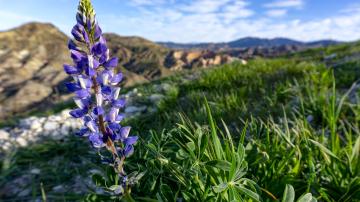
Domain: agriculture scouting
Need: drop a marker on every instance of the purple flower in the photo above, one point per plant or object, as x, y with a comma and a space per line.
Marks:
129, 150
96, 88
96, 140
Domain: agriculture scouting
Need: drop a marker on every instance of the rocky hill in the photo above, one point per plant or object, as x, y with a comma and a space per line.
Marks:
32, 55
31, 58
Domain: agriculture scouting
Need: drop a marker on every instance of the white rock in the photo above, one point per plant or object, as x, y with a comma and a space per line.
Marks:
54, 118
4, 135
27, 123
22, 141
36, 125
6, 146
51, 126
59, 189
56, 135
156, 98
65, 114
64, 130
35, 171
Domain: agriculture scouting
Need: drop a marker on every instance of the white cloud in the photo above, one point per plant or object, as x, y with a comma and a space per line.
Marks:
285, 4
235, 11
171, 24
276, 12
204, 6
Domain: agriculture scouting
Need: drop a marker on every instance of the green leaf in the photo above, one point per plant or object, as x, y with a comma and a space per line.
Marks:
202, 143
99, 180
248, 193
220, 188
215, 138
221, 164
323, 149
167, 193
289, 194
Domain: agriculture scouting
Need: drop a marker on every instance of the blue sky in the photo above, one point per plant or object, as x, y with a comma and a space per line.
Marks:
200, 20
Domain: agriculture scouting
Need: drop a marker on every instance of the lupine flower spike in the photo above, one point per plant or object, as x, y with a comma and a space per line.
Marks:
96, 89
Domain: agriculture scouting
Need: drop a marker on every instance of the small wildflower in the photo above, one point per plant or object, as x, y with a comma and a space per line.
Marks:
96, 89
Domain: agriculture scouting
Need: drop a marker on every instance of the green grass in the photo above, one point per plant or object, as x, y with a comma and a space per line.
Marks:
260, 114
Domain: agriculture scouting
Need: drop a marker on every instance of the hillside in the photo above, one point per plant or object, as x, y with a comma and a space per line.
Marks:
249, 42
32, 55
31, 58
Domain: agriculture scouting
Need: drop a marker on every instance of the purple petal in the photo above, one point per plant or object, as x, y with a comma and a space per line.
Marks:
87, 118
111, 117
99, 47
96, 64
104, 78
99, 99
77, 56
104, 57
113, 62
80, 18
116, 79
129, 150
92, 126
72, 87
88, 23
83, 93
106, 90
98, 31
77, 32
96, 140
99, 111
131, 140
90, 71
120, 103
120, 117
86, 37
82, 132
72, 45
124, 132
115, 93
78, 113
114, 127
71, 70
79, 103
84, 82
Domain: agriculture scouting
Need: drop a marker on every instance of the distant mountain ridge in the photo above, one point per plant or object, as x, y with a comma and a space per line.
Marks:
248, 42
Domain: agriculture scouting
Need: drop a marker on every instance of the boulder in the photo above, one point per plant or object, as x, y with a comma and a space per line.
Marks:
4, 135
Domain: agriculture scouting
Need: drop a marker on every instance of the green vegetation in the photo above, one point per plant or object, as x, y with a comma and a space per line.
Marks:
270, 130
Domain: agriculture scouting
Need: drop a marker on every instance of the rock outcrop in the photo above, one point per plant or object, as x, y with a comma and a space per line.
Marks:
179, 60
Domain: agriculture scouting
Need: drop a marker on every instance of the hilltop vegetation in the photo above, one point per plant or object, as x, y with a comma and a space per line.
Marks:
233, 132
